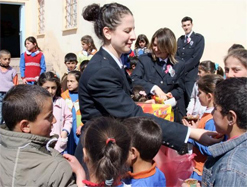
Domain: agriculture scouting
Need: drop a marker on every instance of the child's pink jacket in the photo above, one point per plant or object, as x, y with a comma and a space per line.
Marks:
63, 117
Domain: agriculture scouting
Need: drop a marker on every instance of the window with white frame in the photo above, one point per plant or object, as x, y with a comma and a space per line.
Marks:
70, 14
41, 16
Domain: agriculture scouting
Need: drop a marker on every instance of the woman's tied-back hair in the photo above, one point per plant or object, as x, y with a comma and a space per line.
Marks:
230, 94
52, 77
208, 82
107, 16
23, 102
209, 66
107, 143
89, 41
166, 42
33, 41
240, 54
141, 37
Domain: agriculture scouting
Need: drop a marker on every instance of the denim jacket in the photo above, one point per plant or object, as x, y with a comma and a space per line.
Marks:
228, 164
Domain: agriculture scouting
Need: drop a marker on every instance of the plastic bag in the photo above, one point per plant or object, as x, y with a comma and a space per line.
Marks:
176, 168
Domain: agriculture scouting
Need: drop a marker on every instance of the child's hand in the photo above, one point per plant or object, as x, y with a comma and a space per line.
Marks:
169, 95
150, 101
64, 134
24, 81
76, 168
78, 130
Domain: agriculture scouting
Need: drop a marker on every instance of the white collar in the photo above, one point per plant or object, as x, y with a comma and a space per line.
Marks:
209, 110
164, 60
118, 61
189, 34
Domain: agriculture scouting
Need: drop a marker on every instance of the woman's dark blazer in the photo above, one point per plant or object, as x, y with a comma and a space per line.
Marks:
104, 90
149, 73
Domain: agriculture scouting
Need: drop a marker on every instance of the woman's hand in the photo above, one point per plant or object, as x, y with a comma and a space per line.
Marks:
158, 92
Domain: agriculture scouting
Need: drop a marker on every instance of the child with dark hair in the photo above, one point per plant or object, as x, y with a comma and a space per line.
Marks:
71, 99
206, 87
133, 62
8, 77
61, 112
106, 149
70, 60
146, 139
83, 65
32, 62
228, 164
26, 156
235, 46
141, 45
205, 68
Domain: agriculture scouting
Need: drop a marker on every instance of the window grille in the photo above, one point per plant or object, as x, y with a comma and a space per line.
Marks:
41, 16
70, 14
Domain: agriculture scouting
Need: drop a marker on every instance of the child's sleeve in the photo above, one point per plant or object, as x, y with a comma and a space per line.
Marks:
42, 64
204, 149
67, 117
22, 65
193, 96
15, 80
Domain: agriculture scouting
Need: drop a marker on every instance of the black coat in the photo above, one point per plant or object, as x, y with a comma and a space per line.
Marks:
104, 90
191, 53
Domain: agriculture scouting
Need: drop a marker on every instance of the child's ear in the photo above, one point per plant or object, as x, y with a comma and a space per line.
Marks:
25, 126
134, 153
232, 117
85, 157
210, 96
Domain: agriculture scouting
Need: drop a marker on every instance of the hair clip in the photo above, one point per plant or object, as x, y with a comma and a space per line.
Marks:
216, 66
109, 182
112, 140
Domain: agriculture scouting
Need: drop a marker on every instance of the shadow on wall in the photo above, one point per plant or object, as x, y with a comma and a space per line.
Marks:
53, 54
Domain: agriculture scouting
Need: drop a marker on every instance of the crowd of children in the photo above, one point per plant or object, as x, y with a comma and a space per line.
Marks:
41, 123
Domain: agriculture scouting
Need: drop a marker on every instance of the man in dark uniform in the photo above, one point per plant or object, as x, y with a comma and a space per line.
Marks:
190, 49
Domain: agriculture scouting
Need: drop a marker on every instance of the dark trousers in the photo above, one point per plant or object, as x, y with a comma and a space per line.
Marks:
79, 153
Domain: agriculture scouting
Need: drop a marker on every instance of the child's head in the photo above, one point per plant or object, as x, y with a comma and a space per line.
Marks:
206, 87
235, 46
209, 67
230, 105
141, 41
133, 62
106, 148
73, 80
5, 57
87, 43
28, 109
70, 61
83, 65
236, 63
146, 137
31, 44
139, 95
51, 83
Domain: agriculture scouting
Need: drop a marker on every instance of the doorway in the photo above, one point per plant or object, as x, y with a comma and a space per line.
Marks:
11, 24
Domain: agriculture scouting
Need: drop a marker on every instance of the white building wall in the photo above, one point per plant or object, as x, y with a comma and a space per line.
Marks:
221, 22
